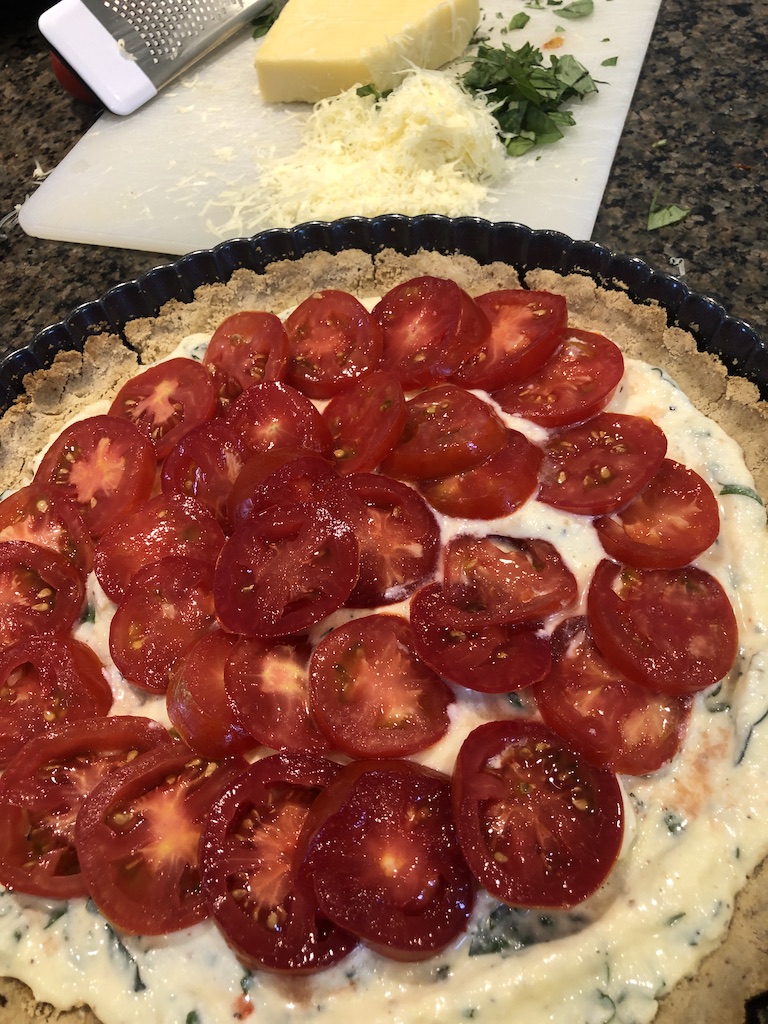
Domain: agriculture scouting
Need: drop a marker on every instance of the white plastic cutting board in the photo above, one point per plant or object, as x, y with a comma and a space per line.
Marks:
154, 180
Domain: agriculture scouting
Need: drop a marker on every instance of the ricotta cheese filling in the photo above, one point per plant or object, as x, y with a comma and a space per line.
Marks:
694, 831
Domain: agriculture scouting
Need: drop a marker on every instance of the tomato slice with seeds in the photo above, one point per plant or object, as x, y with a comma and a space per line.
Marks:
256, 469
167, 400
251, 857
167, 607
599, 466
168, 525
197, 703
496, 487
669, 523
595, 707
573, 385
43, 789
248, 347
137, 836
431, 326
39, 515
41, 591
399, 540
46, 681
384, 861
499, 579
371, 694
332, 341
273, 416
492, 658
525, 331
297, 480
267, 683
104, 465
285, 569
670, 630
538, 825
366, 420
447, 430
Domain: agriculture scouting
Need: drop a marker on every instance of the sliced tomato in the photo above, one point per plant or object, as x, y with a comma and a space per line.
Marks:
539, 826
297, 480
204, 465
285, 569
447, 430
137, 836
104, 465
599, 466
669, 523
41, 591
491, 658
371, 694
273, 416
366, 420
399, 540
42, 791
44, 682
496, 487
670, 630
525, 331
248, 348
332, 341
431, 326
167, 400
167, 606
251, 855
256, 469
267, 684
498, 579
573, 385
197, 702
594, 707
384, 861
41, 515
167, 525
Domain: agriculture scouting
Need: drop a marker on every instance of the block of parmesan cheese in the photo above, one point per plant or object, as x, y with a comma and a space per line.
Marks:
318, 48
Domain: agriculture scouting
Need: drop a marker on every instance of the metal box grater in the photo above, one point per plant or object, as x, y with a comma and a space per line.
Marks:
127, 50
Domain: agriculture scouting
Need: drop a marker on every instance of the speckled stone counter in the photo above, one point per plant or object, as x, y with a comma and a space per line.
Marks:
697, 134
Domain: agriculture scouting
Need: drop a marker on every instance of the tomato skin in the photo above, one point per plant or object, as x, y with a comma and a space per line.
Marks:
384, 861
538, 825
167, 525
41, 591
332, 341
72, 82
285, 569
573, 385
525, 331
671, 630
248, 347
597, 467
669, 523
251, 853
301, 479
137, 837
42, 790
492, 658
447, 430
371, 694
496, 487
43, 516
613, 721
431, 326
44, 682
366, 421
167, 400
273, 416
104, 465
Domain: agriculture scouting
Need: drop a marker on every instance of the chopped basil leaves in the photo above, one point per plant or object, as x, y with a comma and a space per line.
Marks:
577, 9
675, 824
507, 929
609, 62
745, 492
519, 21
264, 22
661, 216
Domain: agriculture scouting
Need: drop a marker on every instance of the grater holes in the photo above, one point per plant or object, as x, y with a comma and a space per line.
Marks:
164, 27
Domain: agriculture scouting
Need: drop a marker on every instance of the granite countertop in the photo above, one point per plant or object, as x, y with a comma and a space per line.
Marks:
696, 134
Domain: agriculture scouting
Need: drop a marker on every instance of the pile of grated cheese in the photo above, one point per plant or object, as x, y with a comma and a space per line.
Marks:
429, 147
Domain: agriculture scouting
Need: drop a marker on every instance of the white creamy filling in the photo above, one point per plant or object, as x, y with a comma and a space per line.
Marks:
694, 834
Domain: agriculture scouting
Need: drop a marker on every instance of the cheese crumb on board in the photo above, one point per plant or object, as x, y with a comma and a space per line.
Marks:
319, 48
429, 146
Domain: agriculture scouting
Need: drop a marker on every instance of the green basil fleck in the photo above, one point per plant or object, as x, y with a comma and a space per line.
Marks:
577, 9
609, 62
744, 492
519, 21
662, 216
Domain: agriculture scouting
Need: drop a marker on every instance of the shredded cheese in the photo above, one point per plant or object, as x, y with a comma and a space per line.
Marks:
429, 147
